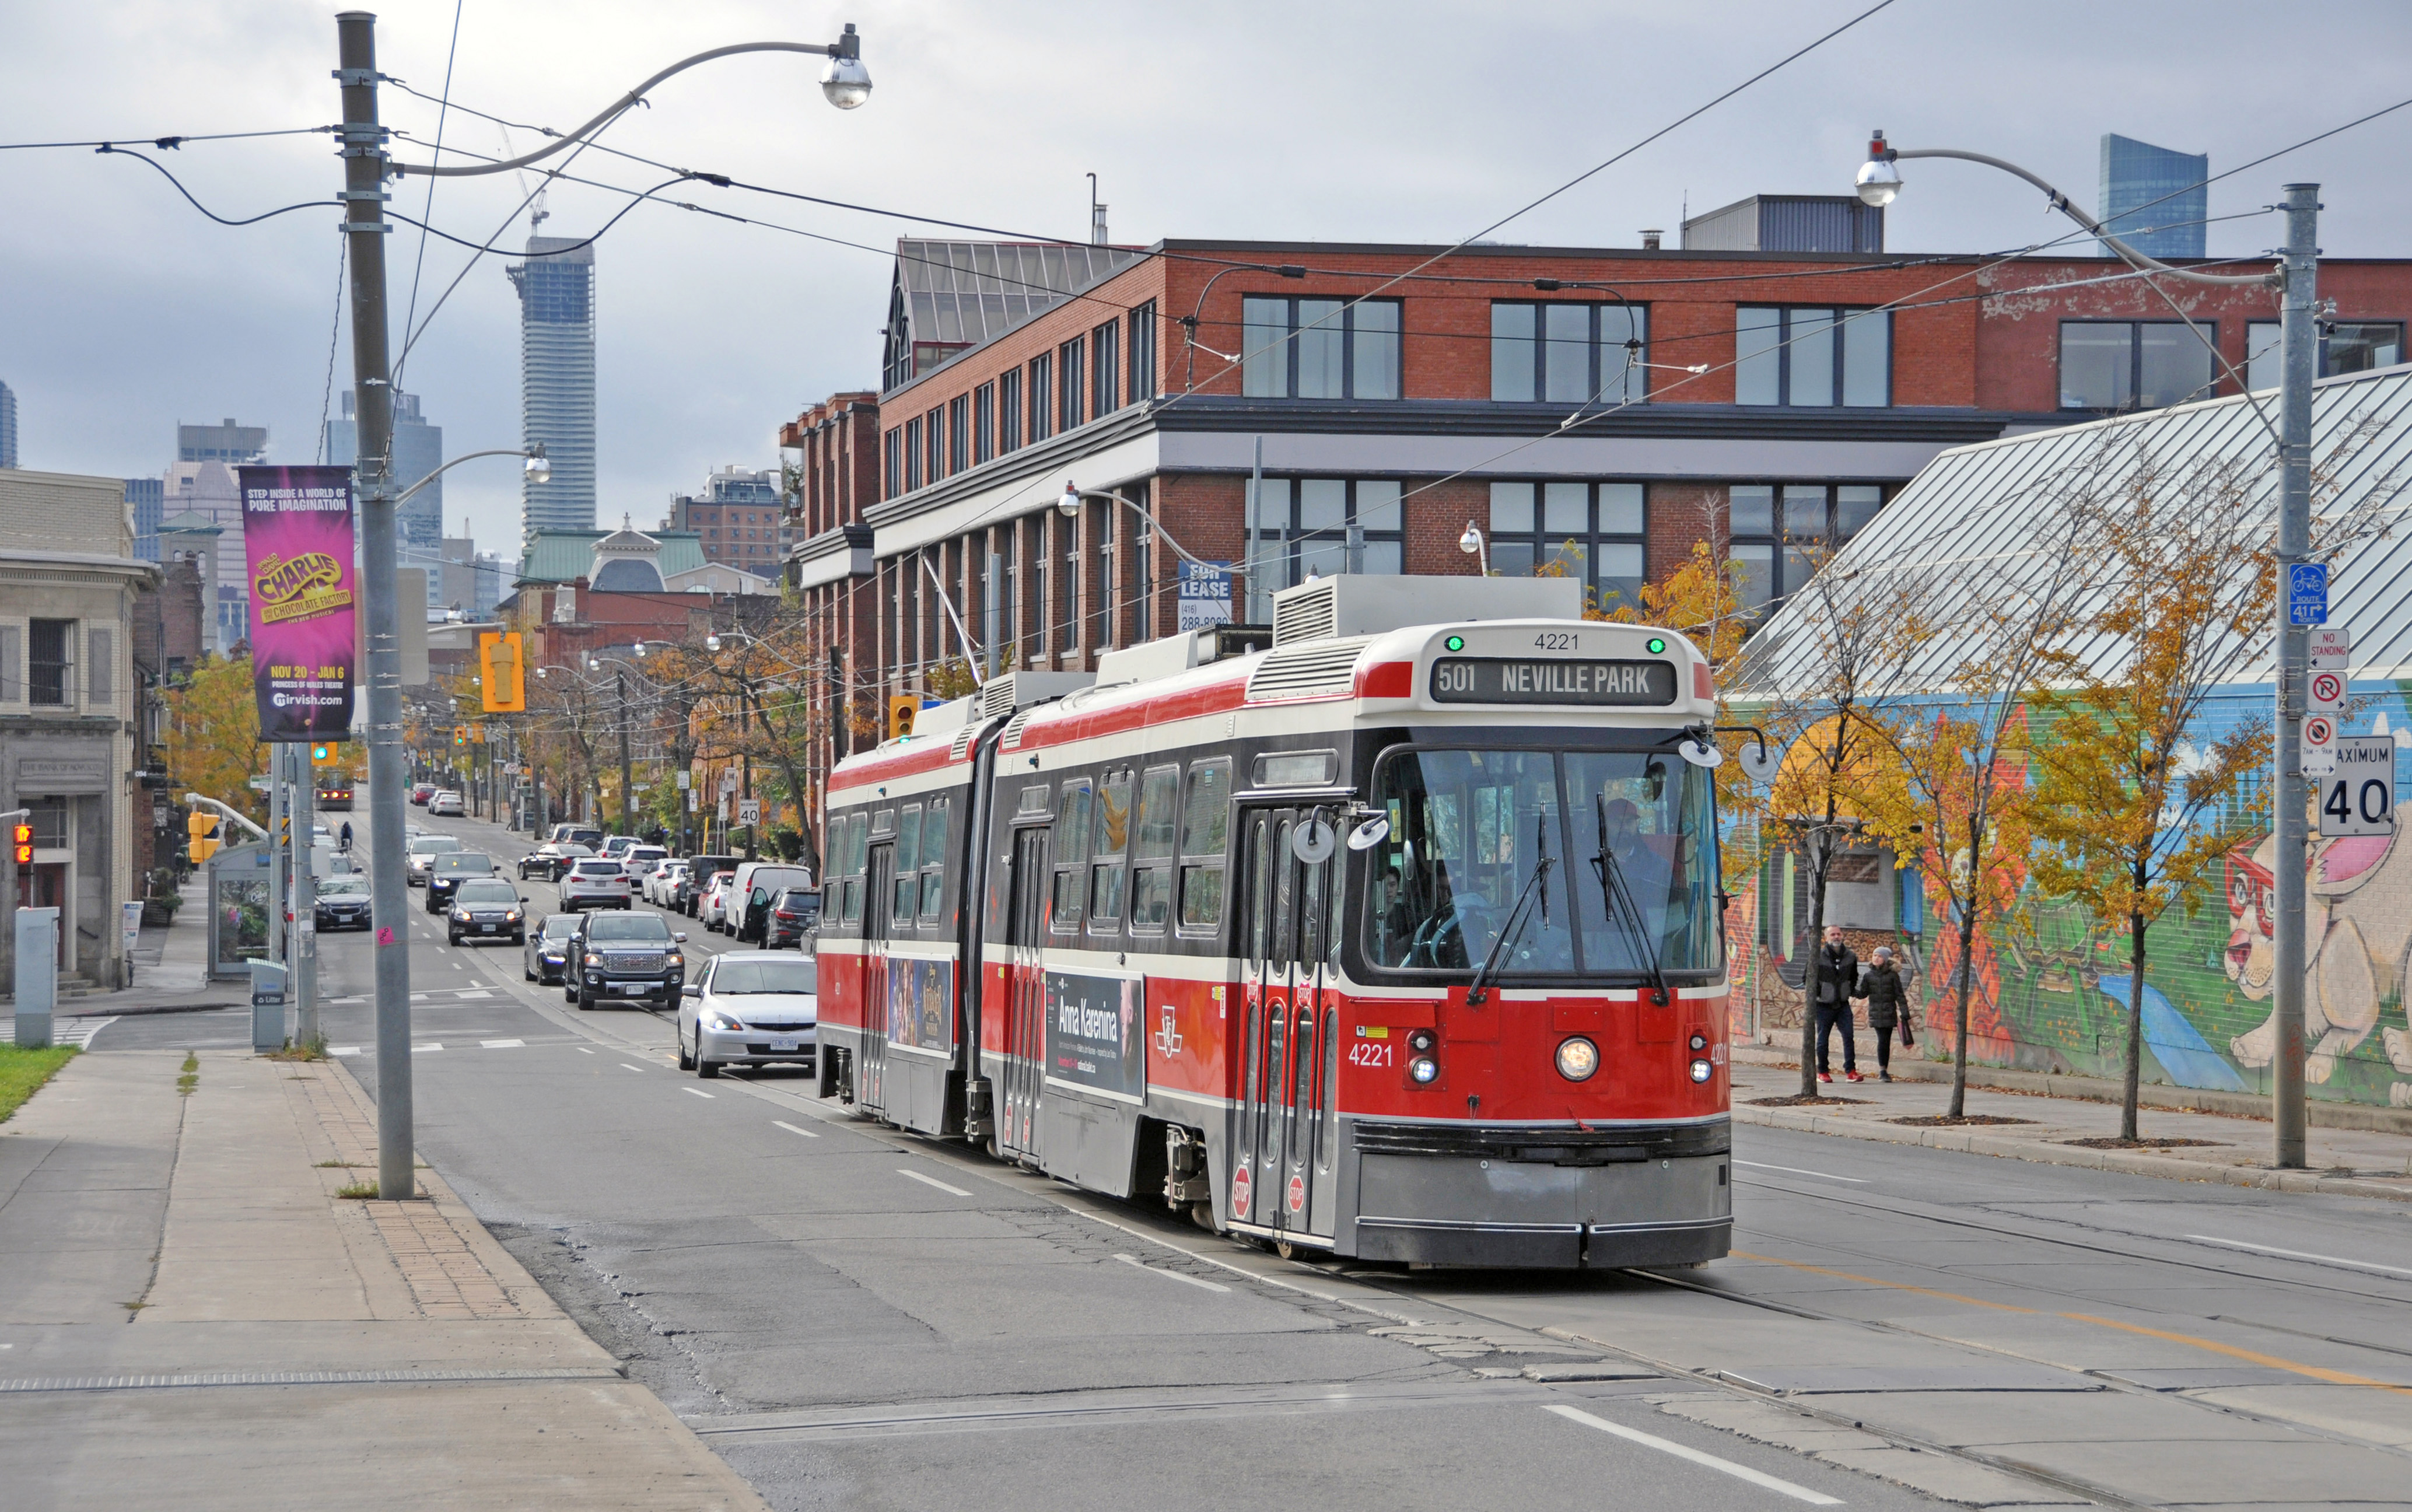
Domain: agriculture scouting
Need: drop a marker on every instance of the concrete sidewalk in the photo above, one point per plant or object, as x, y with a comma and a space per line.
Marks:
189, 1316
2232, 1150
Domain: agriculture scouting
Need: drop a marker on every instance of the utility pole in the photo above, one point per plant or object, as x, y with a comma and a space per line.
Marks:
364, 174
304, 808
628, 794
2299, 366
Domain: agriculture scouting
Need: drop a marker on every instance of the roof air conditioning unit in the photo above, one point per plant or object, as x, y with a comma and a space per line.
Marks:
1356, 604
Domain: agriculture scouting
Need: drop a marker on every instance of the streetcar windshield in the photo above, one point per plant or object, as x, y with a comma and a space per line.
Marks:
1591, 863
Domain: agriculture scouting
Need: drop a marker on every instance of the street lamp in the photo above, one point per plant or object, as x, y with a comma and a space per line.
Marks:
362, 141
1069, 506
1471, 544
1879, 183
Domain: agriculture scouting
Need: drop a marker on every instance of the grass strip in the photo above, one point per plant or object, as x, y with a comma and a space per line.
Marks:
22, 1073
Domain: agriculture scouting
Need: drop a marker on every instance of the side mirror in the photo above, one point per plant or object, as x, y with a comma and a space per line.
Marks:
692, 990
680, 938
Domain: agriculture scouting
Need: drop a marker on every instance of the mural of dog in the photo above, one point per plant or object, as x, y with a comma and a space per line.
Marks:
2358, 916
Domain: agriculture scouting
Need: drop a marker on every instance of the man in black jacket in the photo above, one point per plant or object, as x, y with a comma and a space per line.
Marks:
1838, 980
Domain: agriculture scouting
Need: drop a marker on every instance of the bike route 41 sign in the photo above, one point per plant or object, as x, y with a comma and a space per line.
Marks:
2358, 797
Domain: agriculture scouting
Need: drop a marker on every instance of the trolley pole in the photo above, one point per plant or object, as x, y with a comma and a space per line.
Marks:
2299, 366
364, 174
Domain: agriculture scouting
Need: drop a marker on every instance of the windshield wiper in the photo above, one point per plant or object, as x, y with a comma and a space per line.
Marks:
1615, 895
1479, 989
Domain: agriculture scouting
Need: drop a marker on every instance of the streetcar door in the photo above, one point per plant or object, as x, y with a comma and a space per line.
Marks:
1264, 1002
1025, 1029
1307, 1175
1281, 1002
872, 1059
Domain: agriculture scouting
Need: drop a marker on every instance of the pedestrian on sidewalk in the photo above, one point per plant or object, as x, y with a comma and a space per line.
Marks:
1838, 979
1887, 1008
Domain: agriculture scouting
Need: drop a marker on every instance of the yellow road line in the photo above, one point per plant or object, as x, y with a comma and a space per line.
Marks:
2315, 1373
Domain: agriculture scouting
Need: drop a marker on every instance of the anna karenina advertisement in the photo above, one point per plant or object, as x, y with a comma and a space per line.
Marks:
297, 538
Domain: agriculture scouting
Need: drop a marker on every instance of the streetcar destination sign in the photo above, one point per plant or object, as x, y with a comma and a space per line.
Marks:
1551, 680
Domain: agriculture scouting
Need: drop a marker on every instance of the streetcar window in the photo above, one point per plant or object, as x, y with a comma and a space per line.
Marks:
1151, 887
1645, 822
1071, 855
1205, 834
1472, 829
1112, 839
908, 856
934, 859
851, 904
1298, 769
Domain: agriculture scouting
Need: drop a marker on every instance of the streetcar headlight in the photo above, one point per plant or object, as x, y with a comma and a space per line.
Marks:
1422, 1069
1421, 1041
1699, 1042
1702, 1070
1577, 1058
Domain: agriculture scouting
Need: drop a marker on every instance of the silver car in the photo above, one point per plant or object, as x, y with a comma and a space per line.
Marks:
423, 852
593, 881
662, 886
749, 1007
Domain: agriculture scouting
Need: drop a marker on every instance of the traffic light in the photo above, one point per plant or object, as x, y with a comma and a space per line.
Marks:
901, 708
326, 754
459, 735
21, 842
202, 835
504, 681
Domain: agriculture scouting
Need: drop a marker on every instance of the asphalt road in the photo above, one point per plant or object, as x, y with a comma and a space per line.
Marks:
854, 1317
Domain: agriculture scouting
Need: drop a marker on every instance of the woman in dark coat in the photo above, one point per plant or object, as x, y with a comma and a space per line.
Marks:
1887, 1008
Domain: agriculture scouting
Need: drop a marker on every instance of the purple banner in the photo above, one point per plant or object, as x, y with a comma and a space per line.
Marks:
296, 540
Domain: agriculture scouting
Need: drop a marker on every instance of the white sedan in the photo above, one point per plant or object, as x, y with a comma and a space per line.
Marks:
749, 1007
663, 878
446, 803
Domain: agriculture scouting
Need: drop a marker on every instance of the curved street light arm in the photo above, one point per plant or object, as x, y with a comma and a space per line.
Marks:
197, 800
2067, 207
1178, 549
499, 451
846, 48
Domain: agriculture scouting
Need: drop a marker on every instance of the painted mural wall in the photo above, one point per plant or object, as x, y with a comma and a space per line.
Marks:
2050, 984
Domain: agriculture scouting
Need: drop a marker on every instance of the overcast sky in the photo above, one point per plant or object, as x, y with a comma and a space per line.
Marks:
123, 311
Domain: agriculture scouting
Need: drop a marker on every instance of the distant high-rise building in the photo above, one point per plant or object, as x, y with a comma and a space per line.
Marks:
738, 518
556, 287
418, 451
8, 426
2153, 198
205, 495
147, 498
228, 443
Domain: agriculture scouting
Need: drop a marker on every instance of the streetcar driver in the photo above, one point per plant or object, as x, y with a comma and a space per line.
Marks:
1627, 855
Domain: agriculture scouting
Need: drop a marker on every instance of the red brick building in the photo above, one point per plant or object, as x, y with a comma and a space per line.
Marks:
1603, 407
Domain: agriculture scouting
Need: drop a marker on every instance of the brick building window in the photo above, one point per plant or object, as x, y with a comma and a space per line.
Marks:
934, 445
913, 475
984, 424
895, 463
1567, 353
1813, 357
1042, 396
1303, 525
1297, 348
2135, 364
1068, 412
959, 427
1782, 530
1009, 412
1593, 532
2346, 347
1142, 353
1106, 369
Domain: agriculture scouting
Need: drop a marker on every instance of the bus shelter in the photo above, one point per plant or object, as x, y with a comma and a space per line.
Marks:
238, 909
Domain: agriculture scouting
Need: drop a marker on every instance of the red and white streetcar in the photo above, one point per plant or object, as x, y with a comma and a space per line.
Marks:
1397, 939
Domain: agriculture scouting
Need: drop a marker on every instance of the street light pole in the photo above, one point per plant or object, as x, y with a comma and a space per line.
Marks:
364, 174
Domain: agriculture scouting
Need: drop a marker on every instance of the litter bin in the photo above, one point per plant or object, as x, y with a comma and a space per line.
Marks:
267, 1007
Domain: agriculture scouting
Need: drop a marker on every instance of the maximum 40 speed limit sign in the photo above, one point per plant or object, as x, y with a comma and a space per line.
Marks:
2358, 797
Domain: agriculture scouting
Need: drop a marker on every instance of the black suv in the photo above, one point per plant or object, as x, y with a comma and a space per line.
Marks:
446, 871
624, 958
485, 908
699, 873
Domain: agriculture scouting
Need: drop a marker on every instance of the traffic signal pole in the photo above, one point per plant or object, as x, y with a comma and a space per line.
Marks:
364, 224
306, 898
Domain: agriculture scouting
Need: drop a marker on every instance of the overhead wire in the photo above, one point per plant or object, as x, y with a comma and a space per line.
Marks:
418, 263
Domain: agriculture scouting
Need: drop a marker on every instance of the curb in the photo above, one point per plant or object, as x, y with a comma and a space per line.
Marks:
2036, 1151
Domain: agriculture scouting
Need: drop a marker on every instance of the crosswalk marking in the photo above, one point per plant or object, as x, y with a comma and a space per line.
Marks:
344, 1050
502, 1044
422, 1049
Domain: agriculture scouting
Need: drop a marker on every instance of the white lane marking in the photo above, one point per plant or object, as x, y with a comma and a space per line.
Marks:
583, 1050
422, 1049
80, 1035
931, 1181
697, 1091
625, 1066
335, 1001
792, 1129
1172, 1275
474, 993
2299, 1254
1681, 1451
502, 1044
345, 1050
1795, 1170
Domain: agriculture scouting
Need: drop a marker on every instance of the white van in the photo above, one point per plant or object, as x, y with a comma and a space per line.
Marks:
756, 888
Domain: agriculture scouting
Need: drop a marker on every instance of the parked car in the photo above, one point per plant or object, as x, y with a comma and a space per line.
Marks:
421, 792
631, 958
550, 860
446, 803
749, 1007
450, 871
578, 835
640, 861
615, 846
660, 885
712, 912
423, 852
485, 908
593, 881
758, 884
546, 947
701, 870
795, 918
343, 903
